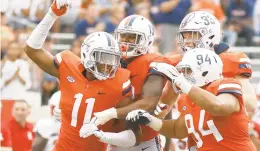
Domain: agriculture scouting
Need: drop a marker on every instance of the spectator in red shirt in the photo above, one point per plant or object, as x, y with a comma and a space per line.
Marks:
21, 131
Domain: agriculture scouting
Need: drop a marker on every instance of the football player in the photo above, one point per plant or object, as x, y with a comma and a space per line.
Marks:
91, 83
47, 130
202, 30
135, 35
212, 107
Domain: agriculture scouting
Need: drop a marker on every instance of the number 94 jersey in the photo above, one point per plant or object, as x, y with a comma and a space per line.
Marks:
81, 98
217, 133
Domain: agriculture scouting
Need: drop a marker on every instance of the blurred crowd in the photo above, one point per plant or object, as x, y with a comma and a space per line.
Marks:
239, 18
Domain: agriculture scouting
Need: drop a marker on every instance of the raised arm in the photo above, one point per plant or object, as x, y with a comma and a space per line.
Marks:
34, 44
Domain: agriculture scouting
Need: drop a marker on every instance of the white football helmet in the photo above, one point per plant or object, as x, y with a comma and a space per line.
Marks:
204, 29
135, 34
200, 66
100, 55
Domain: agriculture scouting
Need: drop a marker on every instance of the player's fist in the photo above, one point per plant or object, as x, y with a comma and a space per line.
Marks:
139, 117
87, 130
59, 7
166, 69
142, 117
105, 116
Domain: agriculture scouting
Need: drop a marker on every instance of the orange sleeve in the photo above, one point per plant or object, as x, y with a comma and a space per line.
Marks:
125, 83
236, 63
59, 58
231, 86
127, 89
244, 66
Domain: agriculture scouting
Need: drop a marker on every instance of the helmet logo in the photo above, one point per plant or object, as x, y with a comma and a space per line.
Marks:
187, 20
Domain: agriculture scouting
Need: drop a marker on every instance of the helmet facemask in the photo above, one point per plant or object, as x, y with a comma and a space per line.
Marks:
190, 40
187, 73
131, 43
104, 63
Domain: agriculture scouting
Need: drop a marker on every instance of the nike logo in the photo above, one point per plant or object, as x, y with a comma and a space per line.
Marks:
145, 148
132, 76
100, 93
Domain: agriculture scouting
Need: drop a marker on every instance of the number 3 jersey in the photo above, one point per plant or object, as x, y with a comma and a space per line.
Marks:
217, 133
81, 98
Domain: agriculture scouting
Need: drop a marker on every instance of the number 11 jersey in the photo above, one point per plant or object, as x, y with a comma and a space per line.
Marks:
81, 98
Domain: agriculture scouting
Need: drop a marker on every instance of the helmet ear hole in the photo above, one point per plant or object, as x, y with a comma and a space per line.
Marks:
205, 73
212, 36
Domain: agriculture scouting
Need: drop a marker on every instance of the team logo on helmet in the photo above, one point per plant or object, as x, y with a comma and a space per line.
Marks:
187, 20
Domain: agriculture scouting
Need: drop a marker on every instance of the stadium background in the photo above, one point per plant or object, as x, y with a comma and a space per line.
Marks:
240, 23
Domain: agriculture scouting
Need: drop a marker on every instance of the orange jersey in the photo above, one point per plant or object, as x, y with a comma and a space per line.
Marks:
140, 70
234, 64
81, 98
211, 133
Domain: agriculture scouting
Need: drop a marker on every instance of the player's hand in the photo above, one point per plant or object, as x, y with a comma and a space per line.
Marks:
160, 107
100, 135
88, 129
57, 113
59, 7
177, 79
105, 116
139, 117
166, 69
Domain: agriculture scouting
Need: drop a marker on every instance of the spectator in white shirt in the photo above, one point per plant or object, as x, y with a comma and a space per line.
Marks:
15, 74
